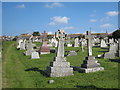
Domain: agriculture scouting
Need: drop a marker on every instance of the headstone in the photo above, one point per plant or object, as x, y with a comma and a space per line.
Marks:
113, 48
103, 44
112, 51
59, 67
22, 45
72, 53
93, 42
76, 43
83, 44
44, 49
90, 64
109, 55
111, 41
69, 44
35, 55
19, 43
29, 49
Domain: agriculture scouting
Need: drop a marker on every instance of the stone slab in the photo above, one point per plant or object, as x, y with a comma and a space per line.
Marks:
88, 70
35, 55
72, 53
44, 52
58, 72
109, 55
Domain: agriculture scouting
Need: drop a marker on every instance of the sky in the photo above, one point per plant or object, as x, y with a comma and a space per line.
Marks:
72, 17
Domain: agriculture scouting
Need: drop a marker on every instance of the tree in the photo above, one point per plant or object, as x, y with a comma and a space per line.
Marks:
116, 34
49, 36
36, 34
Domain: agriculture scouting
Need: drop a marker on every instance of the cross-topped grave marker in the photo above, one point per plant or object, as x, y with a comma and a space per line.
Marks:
44, 35
60, 35
59, 67
90, 64
44, 49
89, 38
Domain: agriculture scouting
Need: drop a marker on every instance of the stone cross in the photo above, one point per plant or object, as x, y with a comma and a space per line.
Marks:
89, 38
60, 35
44, 35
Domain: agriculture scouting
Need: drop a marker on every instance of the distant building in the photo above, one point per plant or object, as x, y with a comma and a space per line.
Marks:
100, 34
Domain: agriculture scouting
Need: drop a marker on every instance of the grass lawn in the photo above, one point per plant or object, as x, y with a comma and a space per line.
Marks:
18, 70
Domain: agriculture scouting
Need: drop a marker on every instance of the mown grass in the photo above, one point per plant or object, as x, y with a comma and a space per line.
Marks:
20, 71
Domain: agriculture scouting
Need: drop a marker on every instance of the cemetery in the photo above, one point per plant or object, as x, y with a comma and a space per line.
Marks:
61, 62
47, 44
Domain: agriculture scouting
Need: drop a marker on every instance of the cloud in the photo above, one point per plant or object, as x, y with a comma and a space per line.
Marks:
59, 20
112, 13
68, 28
93, 20
56, 4
106, 25
50, 33
105, 19
21, 6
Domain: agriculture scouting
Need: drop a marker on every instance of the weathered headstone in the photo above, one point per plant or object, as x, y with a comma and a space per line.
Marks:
19, 43
109, 55
22, 45
35, 55
72, 53
111, 41
69, 44
76, 43
82, 44
59, 67
29, 49
103, 44
44, 49
112, 51
90, 64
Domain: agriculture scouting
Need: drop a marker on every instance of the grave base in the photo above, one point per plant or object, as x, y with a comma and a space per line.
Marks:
109, 55
58, 72
44, 52
88, 70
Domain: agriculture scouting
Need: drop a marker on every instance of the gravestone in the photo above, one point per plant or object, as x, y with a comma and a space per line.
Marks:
19, 43
69, 44
83, 44
22, 45
44, 49
112, 51
90, 64
29, 49
111, 41
76, 43
109, 55
35, 55
72, 53
59, 67
113, 48
97, 40
103, 44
